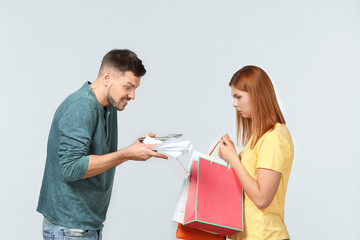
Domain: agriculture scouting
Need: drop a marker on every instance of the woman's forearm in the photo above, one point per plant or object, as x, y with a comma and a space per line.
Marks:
260, 191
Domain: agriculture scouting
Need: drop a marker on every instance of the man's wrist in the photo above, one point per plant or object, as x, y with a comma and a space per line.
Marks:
123, 155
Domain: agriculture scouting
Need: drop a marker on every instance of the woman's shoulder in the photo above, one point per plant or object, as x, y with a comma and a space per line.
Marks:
280, 129
279, 134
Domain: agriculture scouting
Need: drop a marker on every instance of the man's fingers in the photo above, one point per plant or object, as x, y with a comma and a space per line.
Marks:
145, 135
158, 155
151, 134
149, 146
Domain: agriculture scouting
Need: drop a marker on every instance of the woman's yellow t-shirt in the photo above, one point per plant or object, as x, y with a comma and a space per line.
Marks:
275, 151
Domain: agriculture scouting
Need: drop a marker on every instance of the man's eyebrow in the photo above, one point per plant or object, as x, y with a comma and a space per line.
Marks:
130, 84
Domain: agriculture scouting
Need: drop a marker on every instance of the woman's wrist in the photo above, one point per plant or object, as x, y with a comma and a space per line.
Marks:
234, 160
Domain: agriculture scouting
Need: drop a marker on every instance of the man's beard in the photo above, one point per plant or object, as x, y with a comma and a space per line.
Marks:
113, 103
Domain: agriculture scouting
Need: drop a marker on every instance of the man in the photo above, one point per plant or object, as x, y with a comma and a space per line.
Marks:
82, 150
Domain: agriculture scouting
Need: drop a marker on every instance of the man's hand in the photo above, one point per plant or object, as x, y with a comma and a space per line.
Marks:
141, 152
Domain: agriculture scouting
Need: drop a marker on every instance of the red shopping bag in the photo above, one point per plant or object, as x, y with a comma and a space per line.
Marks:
215, 198
188, 233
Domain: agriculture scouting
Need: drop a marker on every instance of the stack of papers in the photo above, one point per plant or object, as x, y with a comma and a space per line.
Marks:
172, 148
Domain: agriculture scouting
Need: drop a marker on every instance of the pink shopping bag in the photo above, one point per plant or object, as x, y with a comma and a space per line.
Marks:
215, 198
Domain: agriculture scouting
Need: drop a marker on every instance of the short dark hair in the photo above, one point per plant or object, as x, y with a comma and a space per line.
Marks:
123, 60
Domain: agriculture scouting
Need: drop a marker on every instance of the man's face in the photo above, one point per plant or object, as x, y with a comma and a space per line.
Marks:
121, 89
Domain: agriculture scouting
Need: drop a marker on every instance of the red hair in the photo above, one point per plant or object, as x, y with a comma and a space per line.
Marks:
265, 110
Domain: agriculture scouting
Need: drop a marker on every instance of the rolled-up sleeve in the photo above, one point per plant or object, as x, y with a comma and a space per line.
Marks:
76, 128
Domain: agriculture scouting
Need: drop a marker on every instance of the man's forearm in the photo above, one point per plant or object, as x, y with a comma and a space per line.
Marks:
137, 151
101, 163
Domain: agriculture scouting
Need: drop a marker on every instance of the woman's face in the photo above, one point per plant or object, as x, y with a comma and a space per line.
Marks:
241, 102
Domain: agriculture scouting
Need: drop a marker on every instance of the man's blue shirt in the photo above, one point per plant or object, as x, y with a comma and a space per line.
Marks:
81, 127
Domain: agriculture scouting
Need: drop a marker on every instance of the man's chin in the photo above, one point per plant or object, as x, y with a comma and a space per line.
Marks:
120, 108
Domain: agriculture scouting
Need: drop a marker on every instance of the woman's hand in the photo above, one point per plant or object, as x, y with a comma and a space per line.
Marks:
227, 150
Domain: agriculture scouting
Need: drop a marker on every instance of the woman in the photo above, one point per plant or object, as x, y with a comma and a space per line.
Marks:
263, 166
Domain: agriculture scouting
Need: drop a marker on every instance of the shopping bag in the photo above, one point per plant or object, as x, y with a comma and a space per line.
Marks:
214, 198
189, 233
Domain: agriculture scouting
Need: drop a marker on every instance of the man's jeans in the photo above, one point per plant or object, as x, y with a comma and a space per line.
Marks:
55, 232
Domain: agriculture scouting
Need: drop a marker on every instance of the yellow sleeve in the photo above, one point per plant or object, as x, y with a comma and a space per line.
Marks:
275, 152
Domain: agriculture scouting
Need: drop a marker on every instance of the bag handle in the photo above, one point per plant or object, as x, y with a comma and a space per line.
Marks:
215, 151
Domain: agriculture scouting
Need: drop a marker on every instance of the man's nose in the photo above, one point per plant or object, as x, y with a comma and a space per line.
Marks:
132, 95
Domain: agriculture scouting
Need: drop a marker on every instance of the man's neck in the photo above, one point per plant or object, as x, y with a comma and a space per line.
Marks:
100, 92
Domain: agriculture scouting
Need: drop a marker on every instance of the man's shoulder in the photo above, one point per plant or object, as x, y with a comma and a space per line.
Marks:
81, 100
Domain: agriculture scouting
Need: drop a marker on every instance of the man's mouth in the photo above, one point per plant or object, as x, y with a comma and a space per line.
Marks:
125, 101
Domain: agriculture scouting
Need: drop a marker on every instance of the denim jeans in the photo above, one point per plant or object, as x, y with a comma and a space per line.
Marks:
55, 232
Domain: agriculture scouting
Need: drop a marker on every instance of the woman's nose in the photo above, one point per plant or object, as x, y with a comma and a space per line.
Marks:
235, 104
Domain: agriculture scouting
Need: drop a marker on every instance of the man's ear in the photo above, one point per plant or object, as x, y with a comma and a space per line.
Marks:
106, 77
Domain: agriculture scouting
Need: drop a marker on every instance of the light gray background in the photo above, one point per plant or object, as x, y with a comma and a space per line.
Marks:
310, 49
